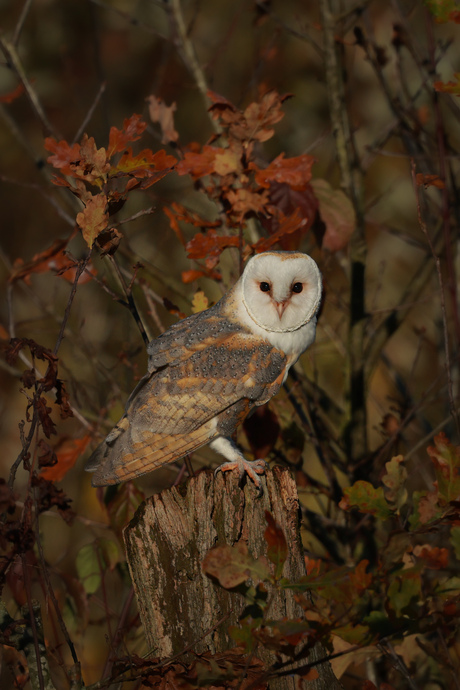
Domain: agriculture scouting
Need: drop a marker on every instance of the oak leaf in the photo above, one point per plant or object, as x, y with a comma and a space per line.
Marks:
287, 226
94, 218
210, 246
67, 452
337, 213
295, 172
133, 127
164, 115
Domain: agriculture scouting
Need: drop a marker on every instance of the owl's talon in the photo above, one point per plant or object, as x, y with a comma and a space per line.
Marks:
251, 468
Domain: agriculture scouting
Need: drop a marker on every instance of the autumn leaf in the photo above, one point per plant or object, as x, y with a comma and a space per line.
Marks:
63, 155
233, 565
405, 591
198, 163
133, 127
243, 201
199, 302
179, 213
452, 87
287, 226
295, 172
192, 274
12, 95
67, 451
425, 508
164, 115
337, 213
446, 460
94, 218
367, 499
429, 181
209, 246
434, 557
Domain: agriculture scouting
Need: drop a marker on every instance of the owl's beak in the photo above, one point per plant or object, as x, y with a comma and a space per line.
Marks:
280, 307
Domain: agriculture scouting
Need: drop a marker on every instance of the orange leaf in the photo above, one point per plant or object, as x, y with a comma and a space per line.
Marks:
198, 164
243, 201
93, 219
296, 172
164, 115
190, 276
452, 87
209, 246
429, 181
67, 451
12, 95
133, 127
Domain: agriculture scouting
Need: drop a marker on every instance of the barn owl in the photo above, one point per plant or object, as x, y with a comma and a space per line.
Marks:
208, 371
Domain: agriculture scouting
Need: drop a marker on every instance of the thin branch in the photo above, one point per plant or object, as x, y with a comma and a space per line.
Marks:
90, 112
21, 21
453, 406
187, 52
351, 180
13, 60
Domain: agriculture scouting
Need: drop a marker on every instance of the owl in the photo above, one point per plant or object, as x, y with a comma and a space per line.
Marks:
208, 371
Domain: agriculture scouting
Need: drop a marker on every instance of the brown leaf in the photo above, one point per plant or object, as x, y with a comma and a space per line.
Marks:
286, 199
94, 218
108, 241
337, 213
164, 115
198, 163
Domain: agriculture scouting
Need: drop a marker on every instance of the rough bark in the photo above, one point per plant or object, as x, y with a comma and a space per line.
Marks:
166, 542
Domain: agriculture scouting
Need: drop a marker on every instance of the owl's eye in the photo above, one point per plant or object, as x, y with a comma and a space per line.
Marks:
265, 287
297, 287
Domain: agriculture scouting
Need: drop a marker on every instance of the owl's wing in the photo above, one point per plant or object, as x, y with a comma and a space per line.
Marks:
205, 390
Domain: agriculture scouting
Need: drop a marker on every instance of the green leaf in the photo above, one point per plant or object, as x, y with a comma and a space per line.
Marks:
92, 560
233, 565
405, 591
367, 499
277, 550
353, 634
440, 9
243, 634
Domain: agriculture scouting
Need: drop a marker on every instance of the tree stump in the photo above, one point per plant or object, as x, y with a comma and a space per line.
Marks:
166, 542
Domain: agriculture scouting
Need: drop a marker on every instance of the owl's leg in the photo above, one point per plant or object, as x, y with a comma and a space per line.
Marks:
237, 461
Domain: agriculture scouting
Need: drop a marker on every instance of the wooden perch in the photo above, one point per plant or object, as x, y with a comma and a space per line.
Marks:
180, 606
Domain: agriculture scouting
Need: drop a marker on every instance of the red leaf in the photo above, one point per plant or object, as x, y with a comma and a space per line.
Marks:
337, 213
244, 201
12, 95
133, 127
191, 275
210, 246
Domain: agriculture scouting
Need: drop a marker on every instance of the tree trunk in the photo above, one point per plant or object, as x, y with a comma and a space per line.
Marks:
167, 541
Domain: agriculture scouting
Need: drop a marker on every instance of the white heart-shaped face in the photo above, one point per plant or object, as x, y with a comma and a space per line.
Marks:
281, 290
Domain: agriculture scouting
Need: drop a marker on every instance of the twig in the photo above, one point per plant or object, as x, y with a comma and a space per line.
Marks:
453, 407
129, 298
351, 180
79, 270
21, 20
13, 60
187, 52
90, 112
